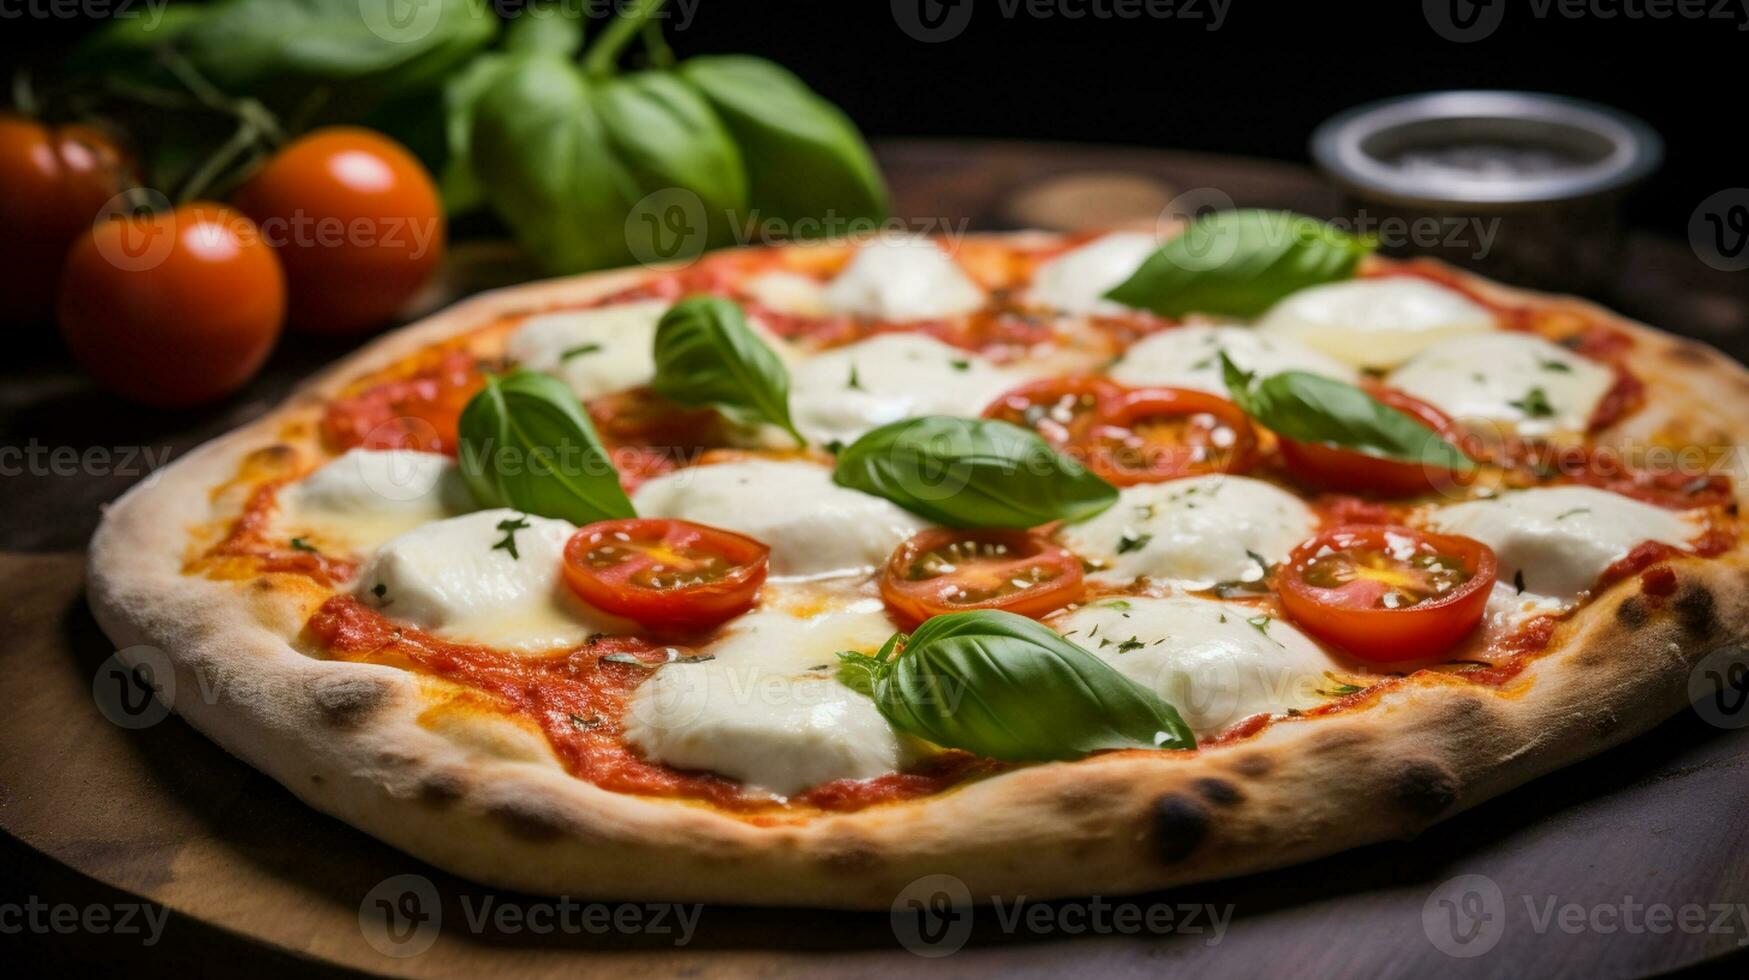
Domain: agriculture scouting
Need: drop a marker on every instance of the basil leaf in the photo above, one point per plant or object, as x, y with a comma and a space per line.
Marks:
539, 150
545, 29
706, 354
1307, 407
804, 159
668, 137
1239, 263
526, 444
1006, 687
972, 473
461, 96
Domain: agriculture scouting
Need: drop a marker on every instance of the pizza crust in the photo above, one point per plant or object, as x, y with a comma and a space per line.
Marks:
346, 737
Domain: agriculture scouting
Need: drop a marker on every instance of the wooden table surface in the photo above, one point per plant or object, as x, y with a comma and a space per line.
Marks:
99, 817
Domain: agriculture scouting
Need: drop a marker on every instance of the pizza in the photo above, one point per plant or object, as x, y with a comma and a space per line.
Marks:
1063, 565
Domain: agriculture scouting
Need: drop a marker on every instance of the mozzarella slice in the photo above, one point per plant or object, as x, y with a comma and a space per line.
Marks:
814, 527
788, 292
448, 577
1195, 532
1077, 280
841, 393
1375, 323
1508, 377
903, 279
775, 733
1216, 662
366, 497
1555, 542
795, 638
1189, 357
595, 351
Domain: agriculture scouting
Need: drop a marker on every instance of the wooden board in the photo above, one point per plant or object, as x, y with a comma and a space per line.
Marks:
101, 816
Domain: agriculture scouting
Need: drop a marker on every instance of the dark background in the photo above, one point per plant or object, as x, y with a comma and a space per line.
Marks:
1256, 86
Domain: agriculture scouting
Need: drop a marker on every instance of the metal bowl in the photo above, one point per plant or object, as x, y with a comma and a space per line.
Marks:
1522, 186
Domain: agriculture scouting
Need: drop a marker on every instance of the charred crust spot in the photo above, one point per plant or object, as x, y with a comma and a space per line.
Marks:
346, 701
316, 779
1253, 764
1083, 797
1696, 610
529, 821
263, 584
278, 454
441, 789
1605, 724
1689, 354
1336, 740
1181, 824
1218, 791
1632, 612
850, 857
1424, 787
1466, 714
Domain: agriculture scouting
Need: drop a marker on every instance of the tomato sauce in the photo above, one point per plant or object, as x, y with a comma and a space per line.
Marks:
248, 538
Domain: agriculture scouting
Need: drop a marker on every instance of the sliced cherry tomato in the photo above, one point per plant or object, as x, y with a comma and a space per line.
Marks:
1059, 409
942, 571
1154, 434
665, 573
1388, 593
1330, 468
420, 411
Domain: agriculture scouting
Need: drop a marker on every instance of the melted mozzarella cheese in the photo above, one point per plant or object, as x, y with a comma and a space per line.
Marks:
813, 526
788, 292
449, 578
793, 638
1556, 542
903, 279
1508, 377
1375, 323
1195, 532
1216, 662
1189, 357
366, 497
595, 351
841, 393
1077, 280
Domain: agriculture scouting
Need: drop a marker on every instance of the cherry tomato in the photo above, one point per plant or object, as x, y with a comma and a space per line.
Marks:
1388, 593
1058, 409
942, 571
357, 222
174, 308
665, 573
1330, 468
1155, 434
420, 411
53, 184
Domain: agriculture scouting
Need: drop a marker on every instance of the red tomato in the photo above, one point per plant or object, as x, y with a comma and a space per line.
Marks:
665, 573
1388, 593
174, 308
53, 184
1059, 409
416, 412
357, 222
640, 417
942, 571
1155, 434
1330, 468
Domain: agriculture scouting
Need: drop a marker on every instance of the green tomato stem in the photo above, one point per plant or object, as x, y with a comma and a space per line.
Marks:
603, 56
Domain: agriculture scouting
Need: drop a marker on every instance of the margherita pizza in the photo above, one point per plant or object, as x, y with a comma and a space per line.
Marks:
1061, 565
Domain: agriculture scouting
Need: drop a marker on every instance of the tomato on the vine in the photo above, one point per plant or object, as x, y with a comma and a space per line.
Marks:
941, 571
174, 308
54, 181
1152, 434
355, 219
665, 573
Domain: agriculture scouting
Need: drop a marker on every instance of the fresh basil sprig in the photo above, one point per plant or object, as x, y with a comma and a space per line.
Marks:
706, 354
1308, 407
1006, 687
972, 473
1239, 263
526, 444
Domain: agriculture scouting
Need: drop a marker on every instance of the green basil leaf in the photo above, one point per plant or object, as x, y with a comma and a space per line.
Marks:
1308, 407
126, 46
527, 444
1239, 263
804, 158
540, 152
972, 473
545, 29
461, 96
668, 137
706, 354
1006, 687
